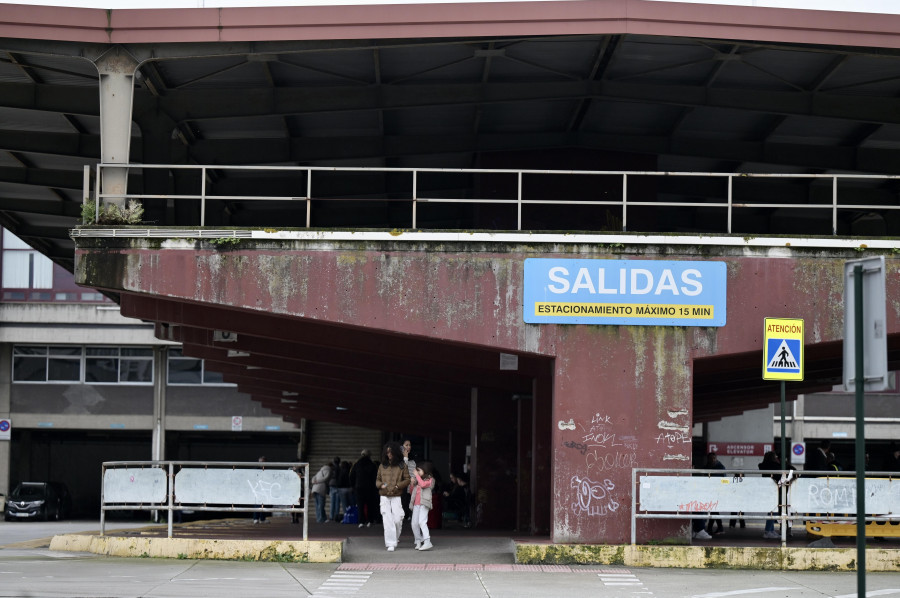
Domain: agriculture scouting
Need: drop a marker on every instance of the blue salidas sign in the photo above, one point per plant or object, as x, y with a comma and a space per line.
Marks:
630, 292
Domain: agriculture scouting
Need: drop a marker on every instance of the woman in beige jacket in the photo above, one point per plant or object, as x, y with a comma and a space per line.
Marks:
392, 481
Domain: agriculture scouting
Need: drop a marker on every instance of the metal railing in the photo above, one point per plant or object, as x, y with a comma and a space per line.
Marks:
306, 191
690, 494
222, 486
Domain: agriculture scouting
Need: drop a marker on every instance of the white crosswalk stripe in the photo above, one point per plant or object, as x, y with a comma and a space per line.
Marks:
624, 579
342, 583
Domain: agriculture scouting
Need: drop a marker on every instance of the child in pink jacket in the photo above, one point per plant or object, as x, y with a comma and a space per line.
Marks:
421, 504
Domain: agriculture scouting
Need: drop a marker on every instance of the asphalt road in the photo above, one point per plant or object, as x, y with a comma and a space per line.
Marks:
32, 570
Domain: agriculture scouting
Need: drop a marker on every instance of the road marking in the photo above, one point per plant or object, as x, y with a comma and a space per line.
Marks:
342, 583
625, 578
885, 592
741, 592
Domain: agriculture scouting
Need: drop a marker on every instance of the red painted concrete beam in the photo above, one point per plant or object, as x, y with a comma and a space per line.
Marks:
484, 19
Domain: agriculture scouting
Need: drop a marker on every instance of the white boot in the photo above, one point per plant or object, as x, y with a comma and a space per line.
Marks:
426, 545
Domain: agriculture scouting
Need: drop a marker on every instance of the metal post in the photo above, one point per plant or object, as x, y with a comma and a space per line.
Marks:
415, 194
171, 494
633, 506
624, 203
102, 509
834, 205
98, 187
306, 503
730, 197
860, 434
519, 203
203, 196
781, 493
158, 436
308, 196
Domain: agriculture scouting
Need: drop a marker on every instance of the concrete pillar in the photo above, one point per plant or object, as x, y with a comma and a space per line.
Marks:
117, 68
160, 367
5, 445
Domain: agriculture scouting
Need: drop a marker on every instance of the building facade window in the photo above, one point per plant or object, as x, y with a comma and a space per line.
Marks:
46, 364
114, 365
185, 370
77, 364
23, 267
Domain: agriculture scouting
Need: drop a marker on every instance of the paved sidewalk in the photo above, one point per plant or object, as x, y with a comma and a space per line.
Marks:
279, 539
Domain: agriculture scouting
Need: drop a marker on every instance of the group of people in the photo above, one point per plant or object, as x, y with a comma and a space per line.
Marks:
392, 490
399, 474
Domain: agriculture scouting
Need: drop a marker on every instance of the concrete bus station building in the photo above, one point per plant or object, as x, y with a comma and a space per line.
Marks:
541, 238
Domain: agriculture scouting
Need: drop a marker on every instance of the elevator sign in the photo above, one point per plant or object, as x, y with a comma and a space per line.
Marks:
783, 355
629, 292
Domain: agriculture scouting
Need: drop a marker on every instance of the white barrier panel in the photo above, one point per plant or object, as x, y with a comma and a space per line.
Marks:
707, 494
838, 496
127, 485
238, 486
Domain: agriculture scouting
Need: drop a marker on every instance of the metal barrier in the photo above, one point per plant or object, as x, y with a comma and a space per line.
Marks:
204, 486
305, 190
821, 496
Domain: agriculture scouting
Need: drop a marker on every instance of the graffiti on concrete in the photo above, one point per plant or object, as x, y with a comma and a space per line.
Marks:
675, 434
593, 498
609, 461
603, 448
672, 437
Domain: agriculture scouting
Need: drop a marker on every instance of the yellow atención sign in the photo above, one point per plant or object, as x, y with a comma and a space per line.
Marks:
783, 354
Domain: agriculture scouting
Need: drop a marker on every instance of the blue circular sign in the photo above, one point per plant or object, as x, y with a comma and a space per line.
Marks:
4, 425
797, 449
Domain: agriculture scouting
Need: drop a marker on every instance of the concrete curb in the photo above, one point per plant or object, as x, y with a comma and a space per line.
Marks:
194, 548
708, 557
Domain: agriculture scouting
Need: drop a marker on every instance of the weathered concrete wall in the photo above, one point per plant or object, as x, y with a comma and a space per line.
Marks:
622, 394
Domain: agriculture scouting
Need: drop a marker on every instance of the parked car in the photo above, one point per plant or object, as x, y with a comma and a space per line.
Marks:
38, 500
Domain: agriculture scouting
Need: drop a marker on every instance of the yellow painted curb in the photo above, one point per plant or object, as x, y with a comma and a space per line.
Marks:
708, 557
193, 548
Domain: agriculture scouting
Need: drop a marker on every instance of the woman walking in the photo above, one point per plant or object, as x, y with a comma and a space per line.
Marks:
392, 480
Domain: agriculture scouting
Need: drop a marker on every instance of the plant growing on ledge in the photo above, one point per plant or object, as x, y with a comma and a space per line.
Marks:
112, 214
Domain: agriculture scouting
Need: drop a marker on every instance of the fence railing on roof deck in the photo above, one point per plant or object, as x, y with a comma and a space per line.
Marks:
524, 190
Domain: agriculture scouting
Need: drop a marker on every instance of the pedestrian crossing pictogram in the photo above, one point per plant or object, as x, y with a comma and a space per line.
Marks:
783, 359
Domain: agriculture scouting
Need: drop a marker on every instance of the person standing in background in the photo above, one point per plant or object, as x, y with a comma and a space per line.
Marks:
362, 478
410, 459
343, 487
817, 459
319, 489
334, 495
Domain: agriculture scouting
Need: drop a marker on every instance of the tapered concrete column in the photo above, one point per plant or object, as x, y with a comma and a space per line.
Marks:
117, 68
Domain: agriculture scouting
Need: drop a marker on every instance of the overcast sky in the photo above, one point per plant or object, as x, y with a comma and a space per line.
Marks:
874, 6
